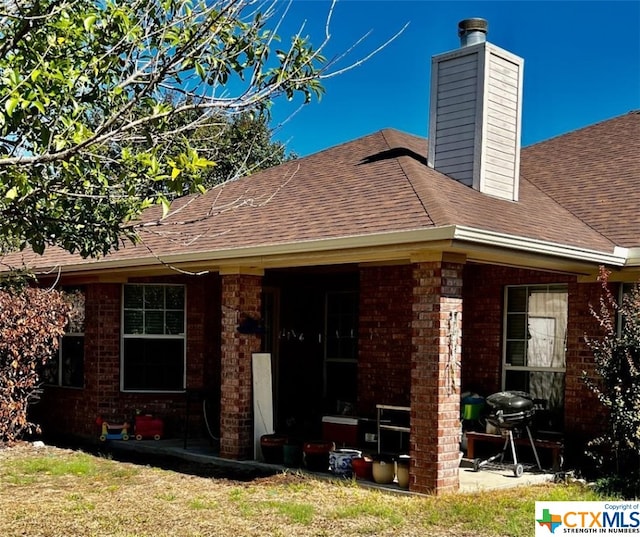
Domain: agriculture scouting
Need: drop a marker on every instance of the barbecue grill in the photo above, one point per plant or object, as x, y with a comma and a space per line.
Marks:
511, 412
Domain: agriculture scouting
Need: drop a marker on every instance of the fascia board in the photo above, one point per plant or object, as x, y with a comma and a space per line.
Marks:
618, 257
399, 238
412, 239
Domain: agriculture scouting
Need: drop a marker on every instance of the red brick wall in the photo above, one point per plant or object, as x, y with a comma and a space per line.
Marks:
384, 365
482, 350
241, 294
584, 416
483, 321
74, 411
435, 376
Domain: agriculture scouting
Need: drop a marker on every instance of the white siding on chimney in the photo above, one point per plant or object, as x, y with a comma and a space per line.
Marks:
474, 127
501, 137
457, 95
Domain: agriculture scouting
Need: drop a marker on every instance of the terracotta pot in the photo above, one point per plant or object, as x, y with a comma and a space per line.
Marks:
363, 467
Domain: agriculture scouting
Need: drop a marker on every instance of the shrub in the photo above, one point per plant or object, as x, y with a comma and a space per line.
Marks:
31, 323
616, 382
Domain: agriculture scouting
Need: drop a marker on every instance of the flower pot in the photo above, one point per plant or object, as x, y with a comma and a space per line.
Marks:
363, 467
383, 471
340, 461
402, 471
315, 455
292, 455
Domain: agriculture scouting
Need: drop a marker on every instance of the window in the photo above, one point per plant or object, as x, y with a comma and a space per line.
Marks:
625, 293
341, 348
153, 338
66, 366
535, 333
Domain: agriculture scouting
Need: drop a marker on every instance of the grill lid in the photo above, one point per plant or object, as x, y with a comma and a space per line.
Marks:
512, 401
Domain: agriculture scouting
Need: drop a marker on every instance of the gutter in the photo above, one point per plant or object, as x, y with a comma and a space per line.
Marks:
618, 257
458, 238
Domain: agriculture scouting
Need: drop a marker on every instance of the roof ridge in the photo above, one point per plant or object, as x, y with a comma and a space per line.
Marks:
404, 171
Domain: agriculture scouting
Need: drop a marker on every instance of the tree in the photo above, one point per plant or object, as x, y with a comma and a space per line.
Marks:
93, 101
616, 381
31, 322
239, 145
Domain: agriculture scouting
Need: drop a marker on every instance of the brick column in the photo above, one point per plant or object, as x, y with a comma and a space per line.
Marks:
435, 376
241, 295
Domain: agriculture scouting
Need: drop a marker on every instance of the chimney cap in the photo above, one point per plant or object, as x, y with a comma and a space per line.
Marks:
472, 31
472, 25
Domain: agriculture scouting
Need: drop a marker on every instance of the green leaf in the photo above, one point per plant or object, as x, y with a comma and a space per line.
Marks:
166, 206
12, 193
11, 104
39, 106
89, 22
200, 71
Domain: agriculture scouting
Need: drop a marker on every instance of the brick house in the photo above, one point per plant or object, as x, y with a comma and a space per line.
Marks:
386, 270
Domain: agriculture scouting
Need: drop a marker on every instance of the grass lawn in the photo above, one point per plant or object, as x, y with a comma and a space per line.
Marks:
56, 492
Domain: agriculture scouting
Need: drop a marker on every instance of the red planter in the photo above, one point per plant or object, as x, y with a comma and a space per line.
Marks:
363, 467
316, 455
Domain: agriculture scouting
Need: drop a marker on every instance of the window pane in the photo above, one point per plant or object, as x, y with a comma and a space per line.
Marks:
342, 381
154, 322
517, 381
50, 371
175, 297
517, 326
342, 325
515, 353
73, 361
517, 299
76, 299
540, 312
133, 322
541, 345
154, 297
133, 296
549, 387
153, 364
175, 322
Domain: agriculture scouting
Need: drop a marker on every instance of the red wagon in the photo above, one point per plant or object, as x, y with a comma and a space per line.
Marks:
146, 426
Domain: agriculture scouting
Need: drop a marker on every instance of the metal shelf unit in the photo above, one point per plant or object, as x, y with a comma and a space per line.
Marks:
390, 425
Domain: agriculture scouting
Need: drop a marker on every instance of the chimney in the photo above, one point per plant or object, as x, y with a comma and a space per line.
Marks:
476, 109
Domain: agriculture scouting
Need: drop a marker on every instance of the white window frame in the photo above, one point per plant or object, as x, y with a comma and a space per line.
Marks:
182, 336
624, 289
527, 368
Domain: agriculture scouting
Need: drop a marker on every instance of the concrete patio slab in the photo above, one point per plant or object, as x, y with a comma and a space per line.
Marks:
201, 452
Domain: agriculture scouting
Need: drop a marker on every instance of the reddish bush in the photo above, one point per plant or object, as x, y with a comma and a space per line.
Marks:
31, 323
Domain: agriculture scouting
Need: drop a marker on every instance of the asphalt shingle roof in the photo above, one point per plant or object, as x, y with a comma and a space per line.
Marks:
595, 173
578, 190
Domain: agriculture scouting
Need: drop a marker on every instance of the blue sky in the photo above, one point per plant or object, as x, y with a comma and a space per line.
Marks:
582, 64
